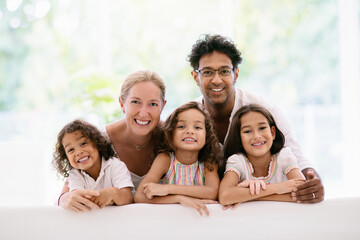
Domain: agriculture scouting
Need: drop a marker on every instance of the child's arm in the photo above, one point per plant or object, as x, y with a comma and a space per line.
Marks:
158, 169
231, 193
112, 195
208, 191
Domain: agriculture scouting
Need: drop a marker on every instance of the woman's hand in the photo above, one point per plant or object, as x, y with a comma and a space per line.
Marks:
79, 200
154, 189
197, 204
254, 186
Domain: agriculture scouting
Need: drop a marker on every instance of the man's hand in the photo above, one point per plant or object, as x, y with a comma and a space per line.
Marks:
312, 191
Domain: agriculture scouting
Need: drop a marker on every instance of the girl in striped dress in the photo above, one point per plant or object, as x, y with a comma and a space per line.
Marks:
185, 170
258, 165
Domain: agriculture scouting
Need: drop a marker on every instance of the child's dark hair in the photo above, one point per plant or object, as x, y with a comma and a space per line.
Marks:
103, 144
210, 43
233, 143
211, 153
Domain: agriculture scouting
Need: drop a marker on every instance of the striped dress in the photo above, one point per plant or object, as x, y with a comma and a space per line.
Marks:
181, 174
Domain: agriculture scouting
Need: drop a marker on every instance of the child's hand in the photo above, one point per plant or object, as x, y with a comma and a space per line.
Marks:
105, 197
154, 189
289, 185
197, 204
254, 186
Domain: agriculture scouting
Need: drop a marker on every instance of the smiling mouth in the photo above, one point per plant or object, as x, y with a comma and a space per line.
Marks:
258, 144
189, 140
217, 89
143, 123
83, 159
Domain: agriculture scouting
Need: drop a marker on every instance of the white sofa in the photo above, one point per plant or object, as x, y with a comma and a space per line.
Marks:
331, 219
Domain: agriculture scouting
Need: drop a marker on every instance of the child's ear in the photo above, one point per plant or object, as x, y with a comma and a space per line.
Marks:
273, 132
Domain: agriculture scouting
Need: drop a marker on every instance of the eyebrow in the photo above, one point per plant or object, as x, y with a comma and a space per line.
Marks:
151, 100
260, 123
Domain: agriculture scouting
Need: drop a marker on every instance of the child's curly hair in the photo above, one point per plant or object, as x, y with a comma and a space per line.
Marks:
61, 162
211, 153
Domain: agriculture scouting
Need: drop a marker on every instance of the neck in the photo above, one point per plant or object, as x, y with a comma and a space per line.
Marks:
186, 157
220, 111
260, 164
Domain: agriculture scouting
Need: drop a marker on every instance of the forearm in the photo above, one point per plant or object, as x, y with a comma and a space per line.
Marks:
237, 194
122, 196
286, 197
201, 192
141, 198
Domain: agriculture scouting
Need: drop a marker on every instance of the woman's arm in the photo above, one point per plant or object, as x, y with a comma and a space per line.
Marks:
208, 191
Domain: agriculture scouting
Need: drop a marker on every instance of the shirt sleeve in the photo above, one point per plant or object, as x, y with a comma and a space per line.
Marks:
286, 160
120, 175
76, 180
235, 163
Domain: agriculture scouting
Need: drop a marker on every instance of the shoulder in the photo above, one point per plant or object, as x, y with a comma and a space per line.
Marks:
236, 158
115, 127
286, 157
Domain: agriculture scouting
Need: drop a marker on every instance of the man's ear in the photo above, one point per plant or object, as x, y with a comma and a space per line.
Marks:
195, 76
121, 105
236, 74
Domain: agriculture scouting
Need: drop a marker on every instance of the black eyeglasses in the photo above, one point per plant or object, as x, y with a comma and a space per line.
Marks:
209, 72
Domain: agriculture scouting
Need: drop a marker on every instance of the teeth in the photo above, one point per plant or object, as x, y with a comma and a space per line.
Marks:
189, 139
83, 159
217, 89
142, 122
258, 144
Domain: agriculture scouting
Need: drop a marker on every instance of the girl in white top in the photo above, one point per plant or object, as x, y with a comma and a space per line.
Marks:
87, 158
258, 166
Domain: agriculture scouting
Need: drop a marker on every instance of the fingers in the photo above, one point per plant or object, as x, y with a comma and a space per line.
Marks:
310, 174
311, 191
209, 201
235, 206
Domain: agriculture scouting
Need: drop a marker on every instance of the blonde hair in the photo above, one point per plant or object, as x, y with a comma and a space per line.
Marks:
142, 76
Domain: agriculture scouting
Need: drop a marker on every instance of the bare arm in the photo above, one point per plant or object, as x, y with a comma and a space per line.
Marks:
112, 195
77, 200
231, 193
208, 191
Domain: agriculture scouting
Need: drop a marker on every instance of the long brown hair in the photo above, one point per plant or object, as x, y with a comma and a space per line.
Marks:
211, 152
233, 143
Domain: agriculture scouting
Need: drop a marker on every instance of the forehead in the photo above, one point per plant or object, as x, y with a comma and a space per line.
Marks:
191, 115
253, 118
215, 60
145, 90
72, 137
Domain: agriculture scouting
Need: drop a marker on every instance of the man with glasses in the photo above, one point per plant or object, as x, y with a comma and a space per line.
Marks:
215, 61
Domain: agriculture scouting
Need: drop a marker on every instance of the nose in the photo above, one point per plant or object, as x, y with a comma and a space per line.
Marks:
78, 152
216, 79
143, 111
189, 131
257, 134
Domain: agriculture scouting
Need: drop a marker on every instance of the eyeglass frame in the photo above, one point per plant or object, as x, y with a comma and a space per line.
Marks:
217, 70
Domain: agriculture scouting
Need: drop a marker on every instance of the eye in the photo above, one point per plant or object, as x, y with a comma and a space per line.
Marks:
225, 72
83, 143
70, 150
135, 101
180, 126
247, 131
198, 128
208, 72
262, 128
154, 104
